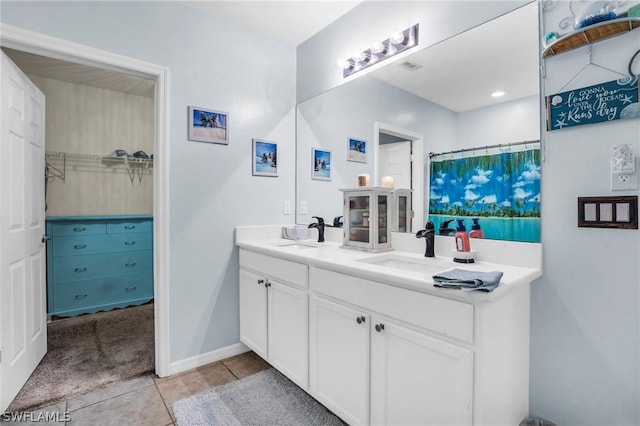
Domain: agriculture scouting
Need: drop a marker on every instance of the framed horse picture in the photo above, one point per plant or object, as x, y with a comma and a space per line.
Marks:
207, 125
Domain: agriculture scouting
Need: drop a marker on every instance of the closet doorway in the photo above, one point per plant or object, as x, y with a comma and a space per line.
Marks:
137, 170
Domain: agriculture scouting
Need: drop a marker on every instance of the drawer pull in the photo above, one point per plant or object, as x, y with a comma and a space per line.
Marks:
129, 243
379, 327
79, 246
130, 264
80, 269
361, 319
81, 296
129, 227
132, 288
79, 229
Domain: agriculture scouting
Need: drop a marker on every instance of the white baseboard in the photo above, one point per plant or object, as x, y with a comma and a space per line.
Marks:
207, 358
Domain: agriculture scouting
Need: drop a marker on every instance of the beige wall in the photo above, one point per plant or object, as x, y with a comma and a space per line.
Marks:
87, 120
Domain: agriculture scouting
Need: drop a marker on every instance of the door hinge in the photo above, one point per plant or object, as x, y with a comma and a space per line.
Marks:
413, 214
412, 157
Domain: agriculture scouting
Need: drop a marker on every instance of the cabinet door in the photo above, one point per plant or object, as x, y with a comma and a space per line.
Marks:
417, 379
339, 359
289, 332
253, 312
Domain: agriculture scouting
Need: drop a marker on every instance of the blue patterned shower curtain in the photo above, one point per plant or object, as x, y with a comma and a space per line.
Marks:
500, 190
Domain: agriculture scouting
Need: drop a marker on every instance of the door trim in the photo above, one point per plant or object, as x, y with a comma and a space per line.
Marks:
417, 178
44, 45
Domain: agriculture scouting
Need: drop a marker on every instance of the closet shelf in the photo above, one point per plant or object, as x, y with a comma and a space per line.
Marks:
591, 34
135, 166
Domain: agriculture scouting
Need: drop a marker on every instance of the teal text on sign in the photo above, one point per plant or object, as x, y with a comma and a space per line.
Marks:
613, 100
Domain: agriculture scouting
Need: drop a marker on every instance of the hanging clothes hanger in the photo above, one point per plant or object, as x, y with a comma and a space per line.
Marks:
590, 63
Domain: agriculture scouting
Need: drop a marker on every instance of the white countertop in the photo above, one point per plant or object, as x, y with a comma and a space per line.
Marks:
329, 255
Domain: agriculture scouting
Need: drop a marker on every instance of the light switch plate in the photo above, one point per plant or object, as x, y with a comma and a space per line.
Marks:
303, 207
286, 207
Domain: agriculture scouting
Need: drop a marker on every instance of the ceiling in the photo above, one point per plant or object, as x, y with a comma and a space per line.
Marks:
289, 21
459, 73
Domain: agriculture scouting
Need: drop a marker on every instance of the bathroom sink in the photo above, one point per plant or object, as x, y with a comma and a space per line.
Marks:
404, 263
297, 245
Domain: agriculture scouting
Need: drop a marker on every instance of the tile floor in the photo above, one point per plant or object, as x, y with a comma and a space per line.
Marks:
147, 400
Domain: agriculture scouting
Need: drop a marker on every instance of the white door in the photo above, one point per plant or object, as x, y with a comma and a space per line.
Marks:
289, 332
23, 328
417, 379
253, 312
339, 359
395, 160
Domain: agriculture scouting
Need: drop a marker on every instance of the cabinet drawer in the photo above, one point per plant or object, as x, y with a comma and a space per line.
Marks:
105, 243
273, 267
78, 228
93, 266
444, 316
104, 291
129, 226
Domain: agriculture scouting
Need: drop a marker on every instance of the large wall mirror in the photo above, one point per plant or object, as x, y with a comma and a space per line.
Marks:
437, 99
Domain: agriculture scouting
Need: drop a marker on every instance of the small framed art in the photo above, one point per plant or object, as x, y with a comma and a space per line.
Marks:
320, 164
207, 125
357, 150
265, 158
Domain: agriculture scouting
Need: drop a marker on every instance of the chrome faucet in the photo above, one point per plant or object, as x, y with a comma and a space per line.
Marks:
320, 227
429, 236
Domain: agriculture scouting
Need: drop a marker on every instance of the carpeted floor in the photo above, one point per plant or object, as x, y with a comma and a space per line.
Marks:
90, 351
265, 398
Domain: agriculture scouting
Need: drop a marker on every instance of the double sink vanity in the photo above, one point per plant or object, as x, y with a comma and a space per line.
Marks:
370, 337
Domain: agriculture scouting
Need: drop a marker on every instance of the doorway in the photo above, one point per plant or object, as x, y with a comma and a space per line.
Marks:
398, 153
30, 42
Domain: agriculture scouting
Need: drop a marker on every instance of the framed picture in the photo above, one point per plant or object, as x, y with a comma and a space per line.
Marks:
320, 164
265, 158
207, 125
357, 150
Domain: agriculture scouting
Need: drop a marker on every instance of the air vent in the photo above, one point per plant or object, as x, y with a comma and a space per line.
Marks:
410, 66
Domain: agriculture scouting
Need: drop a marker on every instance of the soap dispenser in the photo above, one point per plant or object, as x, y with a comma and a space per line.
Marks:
476, 232
462, 238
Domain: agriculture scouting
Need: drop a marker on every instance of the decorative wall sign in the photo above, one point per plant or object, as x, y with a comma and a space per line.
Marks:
613, 100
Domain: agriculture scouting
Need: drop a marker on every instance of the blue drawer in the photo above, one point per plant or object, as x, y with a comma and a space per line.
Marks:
101, 292
60, 229
93, 266
105, 243
129, 226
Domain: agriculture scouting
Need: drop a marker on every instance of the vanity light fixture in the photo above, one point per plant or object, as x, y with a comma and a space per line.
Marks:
380, 50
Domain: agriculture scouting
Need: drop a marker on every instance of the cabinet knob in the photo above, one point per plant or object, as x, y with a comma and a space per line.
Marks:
379, 327
361, 319
260, 281
267, 284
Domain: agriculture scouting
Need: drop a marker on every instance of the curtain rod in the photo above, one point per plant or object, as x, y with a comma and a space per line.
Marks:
433, 154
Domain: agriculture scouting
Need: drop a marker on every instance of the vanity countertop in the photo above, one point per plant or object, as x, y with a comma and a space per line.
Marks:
330, 255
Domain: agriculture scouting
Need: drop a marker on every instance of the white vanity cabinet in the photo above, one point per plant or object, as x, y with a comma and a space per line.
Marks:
417, 378
274, 312
381, 354
339, 359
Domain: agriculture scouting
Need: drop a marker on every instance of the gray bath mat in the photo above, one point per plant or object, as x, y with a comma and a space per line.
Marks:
265, 398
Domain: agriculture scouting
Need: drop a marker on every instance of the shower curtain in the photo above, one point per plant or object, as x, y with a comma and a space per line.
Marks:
497, 188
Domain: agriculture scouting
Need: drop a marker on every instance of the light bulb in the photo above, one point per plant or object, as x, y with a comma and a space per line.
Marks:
497, 94
364, 56
397, 38
379, 48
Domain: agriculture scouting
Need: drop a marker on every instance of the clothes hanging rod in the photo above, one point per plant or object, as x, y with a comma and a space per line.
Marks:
508, 145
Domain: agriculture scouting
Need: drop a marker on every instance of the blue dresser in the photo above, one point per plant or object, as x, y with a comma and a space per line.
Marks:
97, 263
